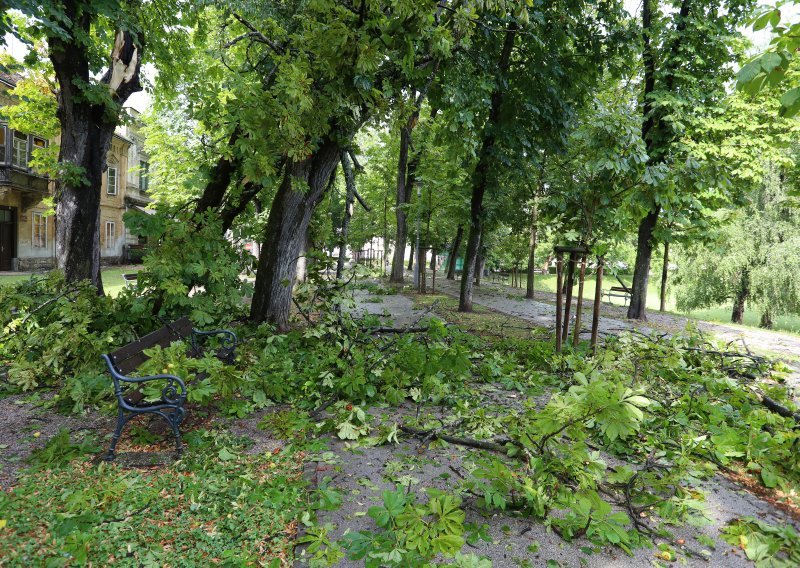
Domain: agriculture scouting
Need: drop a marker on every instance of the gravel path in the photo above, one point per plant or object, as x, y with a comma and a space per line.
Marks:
542, 311
361, 474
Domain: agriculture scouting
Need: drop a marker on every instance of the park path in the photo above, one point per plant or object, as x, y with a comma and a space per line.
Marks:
542, 311
362, 472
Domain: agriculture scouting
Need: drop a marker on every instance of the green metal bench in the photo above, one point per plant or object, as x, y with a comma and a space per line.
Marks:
131, 402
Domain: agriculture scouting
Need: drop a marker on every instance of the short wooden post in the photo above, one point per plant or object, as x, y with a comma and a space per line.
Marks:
559, 297
576, 333
598, 295
568, 299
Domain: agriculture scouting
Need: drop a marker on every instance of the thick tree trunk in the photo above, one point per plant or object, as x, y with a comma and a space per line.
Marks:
641, 269
287, 224
87, 129
742, 294
405, 181
350, 183
480, 177
453, 258
532, 251
664, 275
411, 257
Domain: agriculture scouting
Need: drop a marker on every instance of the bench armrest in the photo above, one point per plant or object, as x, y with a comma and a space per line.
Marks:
174, 392
229, 339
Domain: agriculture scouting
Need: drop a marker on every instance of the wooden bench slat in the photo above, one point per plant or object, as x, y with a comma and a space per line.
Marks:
129, 357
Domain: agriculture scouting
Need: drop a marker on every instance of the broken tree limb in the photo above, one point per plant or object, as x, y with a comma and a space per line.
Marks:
429, 435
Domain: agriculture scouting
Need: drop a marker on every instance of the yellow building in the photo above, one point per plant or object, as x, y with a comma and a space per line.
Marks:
27, 232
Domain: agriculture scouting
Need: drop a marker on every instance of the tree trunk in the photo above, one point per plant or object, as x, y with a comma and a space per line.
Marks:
480, 177
532, 251
766, 320
742, 293
664, 274
641, 270
302, 263
411, 257
479, 263
350, 183
453, 258
405, 181
288, 221
87, 129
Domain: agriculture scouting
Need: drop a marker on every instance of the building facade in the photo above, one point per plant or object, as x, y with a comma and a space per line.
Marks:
27, 225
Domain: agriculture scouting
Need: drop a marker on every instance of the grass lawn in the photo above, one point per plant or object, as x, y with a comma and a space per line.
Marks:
721, 314
112, 278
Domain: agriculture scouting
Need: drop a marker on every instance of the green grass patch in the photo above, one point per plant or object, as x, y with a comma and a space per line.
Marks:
112, 278
218, 505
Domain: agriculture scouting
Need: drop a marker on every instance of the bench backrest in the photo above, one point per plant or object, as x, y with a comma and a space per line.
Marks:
129, 358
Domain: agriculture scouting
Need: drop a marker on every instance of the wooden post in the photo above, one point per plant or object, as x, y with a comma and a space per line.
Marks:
559, 298
596, 307
576, 333
568, 299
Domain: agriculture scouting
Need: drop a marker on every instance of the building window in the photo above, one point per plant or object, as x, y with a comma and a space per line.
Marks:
19, 151
3, 144
111, 234
144, 175
112, 181
38, 230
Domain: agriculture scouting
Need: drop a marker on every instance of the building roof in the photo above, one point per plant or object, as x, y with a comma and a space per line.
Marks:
10, 79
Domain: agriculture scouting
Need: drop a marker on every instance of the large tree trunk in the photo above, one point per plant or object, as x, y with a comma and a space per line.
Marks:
532, 251
350, 183
480, 177
287, 225
664, 275
87, 129
641, 269
453, 258
405, 181
742, 294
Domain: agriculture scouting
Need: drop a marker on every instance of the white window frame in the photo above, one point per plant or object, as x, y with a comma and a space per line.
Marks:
14, 139
111, 242
144, 176
38, 219
115, 189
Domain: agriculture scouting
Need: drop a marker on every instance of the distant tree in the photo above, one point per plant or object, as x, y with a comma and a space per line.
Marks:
753, 261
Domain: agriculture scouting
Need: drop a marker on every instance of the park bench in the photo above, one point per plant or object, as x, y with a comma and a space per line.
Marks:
621, 291
130, 279
131, 401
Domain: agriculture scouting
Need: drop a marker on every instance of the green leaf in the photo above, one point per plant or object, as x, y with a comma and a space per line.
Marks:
225, 455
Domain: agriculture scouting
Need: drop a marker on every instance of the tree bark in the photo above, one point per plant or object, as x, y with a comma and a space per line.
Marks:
742, 294
480, 177
405, 177
641, 270
87, 129
766, 320
532, 251
664, 275
300, 192
657, 140
453, 258
350, 183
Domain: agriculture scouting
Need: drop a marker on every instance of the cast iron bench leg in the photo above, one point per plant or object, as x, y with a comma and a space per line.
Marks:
121, 421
